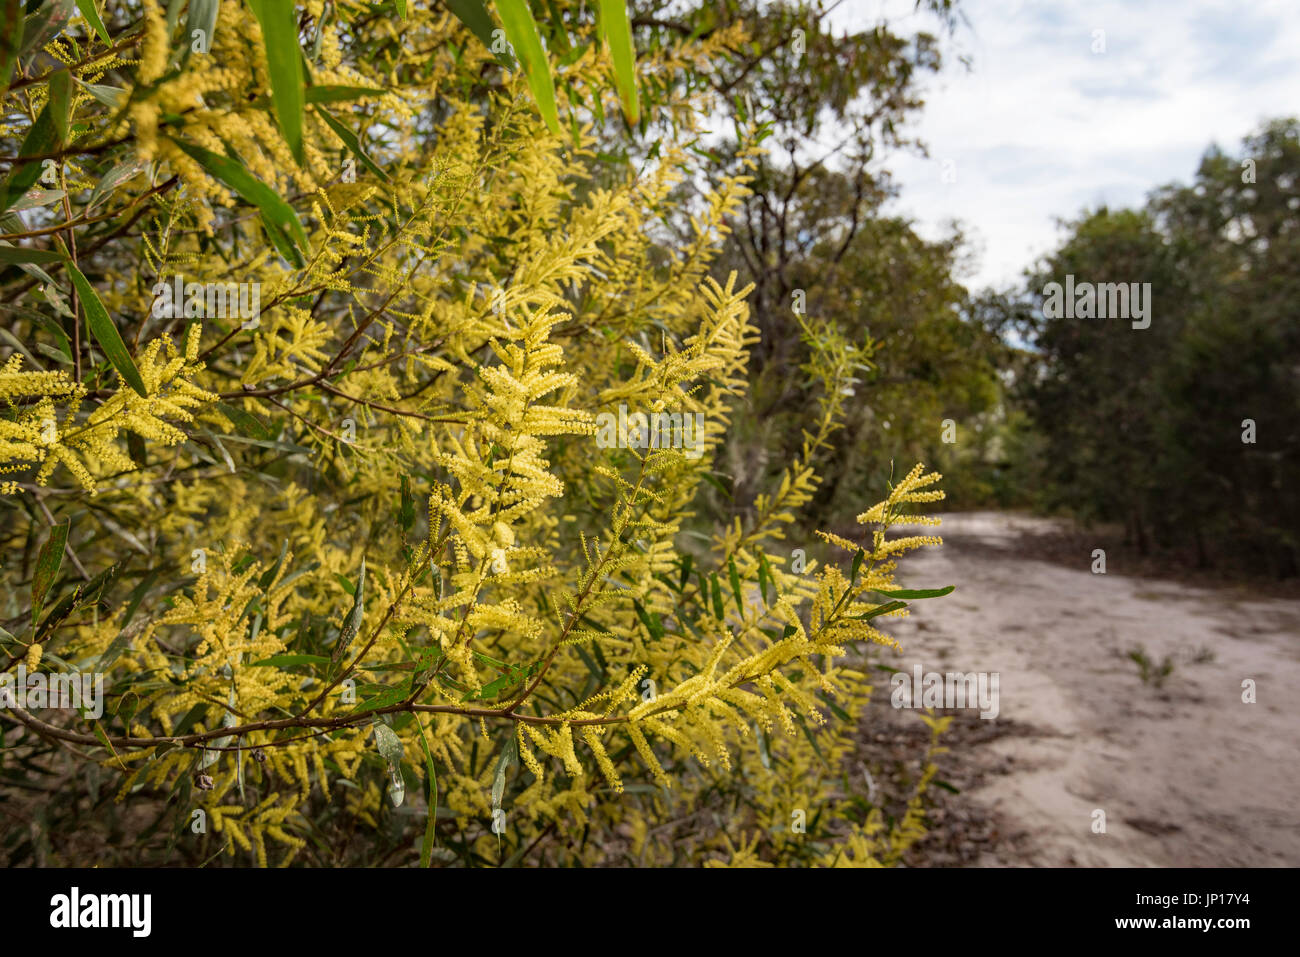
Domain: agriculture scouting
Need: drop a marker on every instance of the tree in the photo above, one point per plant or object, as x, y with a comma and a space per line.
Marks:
355, 411
1183, 429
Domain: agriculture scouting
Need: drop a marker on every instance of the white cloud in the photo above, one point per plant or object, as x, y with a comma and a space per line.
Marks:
1041, 126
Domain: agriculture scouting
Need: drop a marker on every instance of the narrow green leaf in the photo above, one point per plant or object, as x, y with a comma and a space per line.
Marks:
350, 140
616, 30
430, 798
87, 8
880, 610
45, 24
652, 622
340, 94
48, 562
401, 8
89, 591
231, 172
113, 179
22, 254
508, 759
914, 593
734, 576
352, 624
111, 96
521, 33
288, 661
201, 16
61, 102
105, 333
245, 422
11, 38
687, 561
765, 578
390, 749
492, 688
36, 198
474, 15
284, 63
406, 506
718, 610
41, 139
103, 739
817, 748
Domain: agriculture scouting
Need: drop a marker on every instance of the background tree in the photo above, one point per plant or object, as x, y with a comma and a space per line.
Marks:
1184, 431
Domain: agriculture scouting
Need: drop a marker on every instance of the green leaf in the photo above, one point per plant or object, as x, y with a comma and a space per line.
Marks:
406, 508
36, 198
284, 63
687, 561
61, 102
103, 739
390, 749
858, 558
202, 15
492, 688
245, 422
22, 254
340, 94
45, 24
350, 140
880, 610
765, 579
817, 748
835, 709
474, 15
41, 139
616, 30
352, 624
508, 759
111, 96
83, 593
718, 610
515, 675
231, 172
431, 799
653, 623
105, 333
48, 561
521, 33
401, 8
288, 661
11, 38
914, 593
734, 576
87, 8
113, 179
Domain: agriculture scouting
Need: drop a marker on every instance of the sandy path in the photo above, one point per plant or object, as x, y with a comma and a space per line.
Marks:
1187, 774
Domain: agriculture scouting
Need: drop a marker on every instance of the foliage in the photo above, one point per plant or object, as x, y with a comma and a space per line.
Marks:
361, 540
1185, 431
814, 237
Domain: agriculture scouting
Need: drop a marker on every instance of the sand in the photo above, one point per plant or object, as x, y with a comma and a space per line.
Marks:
1186, 774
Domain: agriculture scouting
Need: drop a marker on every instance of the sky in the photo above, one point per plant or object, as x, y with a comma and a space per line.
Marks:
1041, 127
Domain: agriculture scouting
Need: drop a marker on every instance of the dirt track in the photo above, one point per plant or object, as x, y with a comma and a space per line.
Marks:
1187, 774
